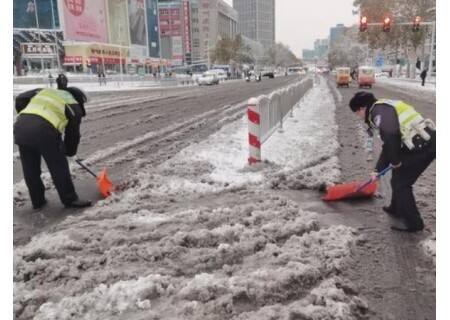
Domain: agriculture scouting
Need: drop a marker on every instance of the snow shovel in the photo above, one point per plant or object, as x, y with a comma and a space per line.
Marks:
105, 186
353, 190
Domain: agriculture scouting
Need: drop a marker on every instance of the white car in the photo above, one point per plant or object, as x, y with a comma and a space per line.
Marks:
208, 78
221, 74
196, 76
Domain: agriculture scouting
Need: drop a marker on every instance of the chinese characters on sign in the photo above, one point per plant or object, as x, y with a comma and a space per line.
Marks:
76, 7
37, 49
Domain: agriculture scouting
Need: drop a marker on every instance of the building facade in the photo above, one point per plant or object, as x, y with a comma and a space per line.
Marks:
211, 20
308, 54
85, 35
335, 33
153, 28
257, 20
321, 48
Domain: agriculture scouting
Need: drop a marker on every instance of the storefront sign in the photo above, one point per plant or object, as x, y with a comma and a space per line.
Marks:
31, 50
72, 60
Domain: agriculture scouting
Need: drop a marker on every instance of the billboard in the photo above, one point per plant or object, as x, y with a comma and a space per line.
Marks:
118, 22
138, 27
153, 27
25, 12
85, 20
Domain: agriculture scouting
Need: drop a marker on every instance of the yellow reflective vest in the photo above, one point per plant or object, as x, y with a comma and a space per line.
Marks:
407, 115
50, 104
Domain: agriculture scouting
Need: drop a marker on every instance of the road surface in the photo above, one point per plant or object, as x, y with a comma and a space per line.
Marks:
152, 125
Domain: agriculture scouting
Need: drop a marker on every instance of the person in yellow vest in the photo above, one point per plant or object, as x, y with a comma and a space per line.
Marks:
44, 115
409, 145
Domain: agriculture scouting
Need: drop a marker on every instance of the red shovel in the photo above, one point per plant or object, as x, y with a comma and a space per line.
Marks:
353, 190
105, 186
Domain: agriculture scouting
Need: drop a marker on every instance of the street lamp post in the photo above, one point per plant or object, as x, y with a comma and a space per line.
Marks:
430, 62
39, 34
56, 37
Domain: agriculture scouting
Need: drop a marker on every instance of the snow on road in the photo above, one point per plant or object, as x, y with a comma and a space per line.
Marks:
203, 236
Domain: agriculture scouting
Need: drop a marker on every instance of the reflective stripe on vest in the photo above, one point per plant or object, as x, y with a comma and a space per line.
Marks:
406, 114
50, 104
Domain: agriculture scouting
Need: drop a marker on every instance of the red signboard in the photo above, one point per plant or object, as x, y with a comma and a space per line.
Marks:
186, 25
72, 59
170, 22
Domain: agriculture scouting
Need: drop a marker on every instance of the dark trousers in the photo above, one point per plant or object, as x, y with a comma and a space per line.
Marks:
413, 164
423, 82
57, 165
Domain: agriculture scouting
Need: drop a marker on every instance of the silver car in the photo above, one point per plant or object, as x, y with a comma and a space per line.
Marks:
208, 78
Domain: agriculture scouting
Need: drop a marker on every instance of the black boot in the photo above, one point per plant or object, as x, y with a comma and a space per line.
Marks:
400, 225
390, 211
40, 205
79, 203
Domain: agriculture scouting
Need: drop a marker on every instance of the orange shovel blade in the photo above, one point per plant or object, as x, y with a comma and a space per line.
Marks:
105, 186
349, 191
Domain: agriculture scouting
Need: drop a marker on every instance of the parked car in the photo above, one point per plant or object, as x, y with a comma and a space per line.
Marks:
208, 78
268, 72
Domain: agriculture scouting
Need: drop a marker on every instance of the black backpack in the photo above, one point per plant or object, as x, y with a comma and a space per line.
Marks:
24, 98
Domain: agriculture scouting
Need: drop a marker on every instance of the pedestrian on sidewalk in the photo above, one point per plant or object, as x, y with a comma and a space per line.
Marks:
409, 145
101, 78
44, 116
50, 79
423, 76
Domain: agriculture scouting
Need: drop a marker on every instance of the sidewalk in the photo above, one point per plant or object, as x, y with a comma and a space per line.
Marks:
414, 87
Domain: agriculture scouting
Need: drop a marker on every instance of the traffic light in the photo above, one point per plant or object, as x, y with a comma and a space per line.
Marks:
387, 24
363, 24
416, 23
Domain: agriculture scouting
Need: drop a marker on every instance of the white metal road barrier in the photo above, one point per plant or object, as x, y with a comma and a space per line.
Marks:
266, 113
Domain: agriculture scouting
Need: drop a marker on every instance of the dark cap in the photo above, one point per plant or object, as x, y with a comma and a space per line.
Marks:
361, 99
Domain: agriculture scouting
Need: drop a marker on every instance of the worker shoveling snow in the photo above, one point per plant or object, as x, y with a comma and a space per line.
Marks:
203, 236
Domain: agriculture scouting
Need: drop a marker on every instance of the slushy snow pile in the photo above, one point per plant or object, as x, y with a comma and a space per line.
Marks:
203, 236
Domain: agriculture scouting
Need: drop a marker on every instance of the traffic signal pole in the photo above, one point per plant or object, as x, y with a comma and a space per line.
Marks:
400, 23
430, 65
427, 23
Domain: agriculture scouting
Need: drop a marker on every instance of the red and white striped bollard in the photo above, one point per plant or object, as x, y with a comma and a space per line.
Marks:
254, 132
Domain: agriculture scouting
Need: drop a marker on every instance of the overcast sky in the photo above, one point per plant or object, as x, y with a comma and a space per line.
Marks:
300, 22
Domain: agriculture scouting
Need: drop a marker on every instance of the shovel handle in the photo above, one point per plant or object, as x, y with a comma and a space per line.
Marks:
379, 175
85, 168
